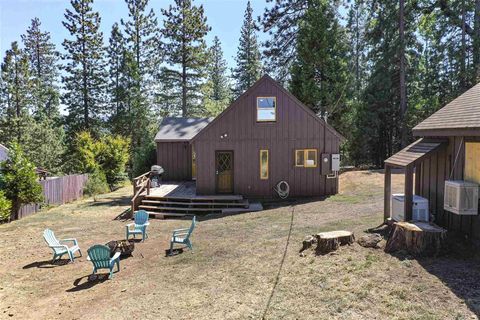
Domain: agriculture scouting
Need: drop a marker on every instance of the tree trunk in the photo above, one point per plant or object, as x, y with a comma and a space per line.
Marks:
330, 241
419, 238
403, 88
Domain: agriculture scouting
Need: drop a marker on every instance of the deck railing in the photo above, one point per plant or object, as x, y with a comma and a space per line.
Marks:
140, 184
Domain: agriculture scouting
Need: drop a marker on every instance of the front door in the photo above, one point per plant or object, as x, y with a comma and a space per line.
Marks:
224, 171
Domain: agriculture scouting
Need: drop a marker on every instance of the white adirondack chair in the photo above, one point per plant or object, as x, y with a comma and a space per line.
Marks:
60, 249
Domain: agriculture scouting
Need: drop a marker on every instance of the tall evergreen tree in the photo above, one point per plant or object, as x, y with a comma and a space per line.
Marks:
185, 28
44, 71
320, 76
217, 92
281, 22
115, 53
249, 67
85, 73
16, 102
142, 37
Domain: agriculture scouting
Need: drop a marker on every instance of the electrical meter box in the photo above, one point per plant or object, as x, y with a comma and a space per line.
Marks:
335, 162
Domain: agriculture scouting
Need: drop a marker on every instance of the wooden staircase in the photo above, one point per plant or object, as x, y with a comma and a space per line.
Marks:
164, 206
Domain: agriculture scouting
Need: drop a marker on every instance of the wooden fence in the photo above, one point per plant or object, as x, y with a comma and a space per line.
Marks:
57, 191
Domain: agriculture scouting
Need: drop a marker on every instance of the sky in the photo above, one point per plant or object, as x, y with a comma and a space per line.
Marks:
224, 16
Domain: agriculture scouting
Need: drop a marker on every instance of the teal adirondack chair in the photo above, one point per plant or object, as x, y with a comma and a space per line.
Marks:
182, 236
100, 257
139, 226
59, 247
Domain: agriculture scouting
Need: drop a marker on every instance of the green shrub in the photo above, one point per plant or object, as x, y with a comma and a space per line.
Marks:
5, 207
113, 155
19, 180
96, 184
143, 158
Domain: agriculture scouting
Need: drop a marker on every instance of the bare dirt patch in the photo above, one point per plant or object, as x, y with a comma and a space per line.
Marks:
234, 266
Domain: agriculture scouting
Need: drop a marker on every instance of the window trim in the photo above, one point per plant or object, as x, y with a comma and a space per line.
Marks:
305, 153
275, 108
268, 164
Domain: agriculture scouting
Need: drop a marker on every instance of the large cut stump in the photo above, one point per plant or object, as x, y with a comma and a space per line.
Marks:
418, 238
330, 241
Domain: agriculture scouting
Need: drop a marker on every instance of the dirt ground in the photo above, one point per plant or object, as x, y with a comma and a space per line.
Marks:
236, 269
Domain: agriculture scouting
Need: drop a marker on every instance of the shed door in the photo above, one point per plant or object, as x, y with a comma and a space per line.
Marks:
224, 171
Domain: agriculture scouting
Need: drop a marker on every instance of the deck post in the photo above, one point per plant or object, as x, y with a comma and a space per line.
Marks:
388, 192
408, 192
418, 175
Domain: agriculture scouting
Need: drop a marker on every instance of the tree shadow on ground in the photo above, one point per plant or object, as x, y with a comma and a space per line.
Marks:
458, 268
47, 264
87, 282
114, 201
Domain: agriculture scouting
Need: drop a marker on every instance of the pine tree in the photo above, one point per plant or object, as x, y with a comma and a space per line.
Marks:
217, 93
115, 53
281, 22
185, 28
356, 24
85, 75
320, 76
44, 71
249, 67
16, 102
142, 37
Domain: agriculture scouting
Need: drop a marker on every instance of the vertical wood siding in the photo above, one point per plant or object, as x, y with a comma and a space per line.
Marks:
295, 128
435, 170
58, 191
176, 160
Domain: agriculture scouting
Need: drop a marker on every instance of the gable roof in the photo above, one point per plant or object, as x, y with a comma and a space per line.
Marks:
460, 116
174, 129
266, 77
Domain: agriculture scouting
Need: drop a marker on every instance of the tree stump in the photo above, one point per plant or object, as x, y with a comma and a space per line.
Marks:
417, 238
330, 241
307, 243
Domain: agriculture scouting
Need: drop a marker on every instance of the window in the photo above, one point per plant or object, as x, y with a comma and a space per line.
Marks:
472, 162
263, 164
266, 109
306, 158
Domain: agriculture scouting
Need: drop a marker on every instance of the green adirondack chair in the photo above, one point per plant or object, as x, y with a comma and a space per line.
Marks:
100, 257
59, 247
139, 226
182, 236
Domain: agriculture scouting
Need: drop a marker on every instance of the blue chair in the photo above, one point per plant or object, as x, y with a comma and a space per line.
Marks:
99, 255
59, 247
139, 226
182, 236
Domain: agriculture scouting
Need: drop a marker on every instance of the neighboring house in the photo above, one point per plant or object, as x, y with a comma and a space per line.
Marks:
264, 137
448, 149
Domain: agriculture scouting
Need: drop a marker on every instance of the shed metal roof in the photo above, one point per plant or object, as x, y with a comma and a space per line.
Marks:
415, 152
180, 129
462, 114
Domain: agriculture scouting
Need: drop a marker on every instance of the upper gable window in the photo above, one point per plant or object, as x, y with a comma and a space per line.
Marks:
266, 109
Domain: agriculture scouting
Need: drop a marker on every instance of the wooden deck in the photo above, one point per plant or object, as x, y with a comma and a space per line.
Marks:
186, 189
180, 199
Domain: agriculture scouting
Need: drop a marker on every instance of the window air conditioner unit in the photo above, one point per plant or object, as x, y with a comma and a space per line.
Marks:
461, 197
419, 211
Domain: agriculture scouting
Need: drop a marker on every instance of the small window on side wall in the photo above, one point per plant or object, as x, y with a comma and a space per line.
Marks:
306, 158
263, 164
266, 109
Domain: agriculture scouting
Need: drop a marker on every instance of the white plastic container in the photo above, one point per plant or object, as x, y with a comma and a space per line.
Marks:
419, 211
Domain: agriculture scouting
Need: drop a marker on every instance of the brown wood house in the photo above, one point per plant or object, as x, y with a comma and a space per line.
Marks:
264, 137
448, 148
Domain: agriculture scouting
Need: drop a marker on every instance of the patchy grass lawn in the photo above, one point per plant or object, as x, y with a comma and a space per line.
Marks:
234, 268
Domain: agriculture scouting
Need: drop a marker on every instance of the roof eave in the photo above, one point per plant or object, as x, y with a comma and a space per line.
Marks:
446, 132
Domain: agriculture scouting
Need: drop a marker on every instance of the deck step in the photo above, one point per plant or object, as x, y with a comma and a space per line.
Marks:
150, 208
162, 215
244, 203
196, 198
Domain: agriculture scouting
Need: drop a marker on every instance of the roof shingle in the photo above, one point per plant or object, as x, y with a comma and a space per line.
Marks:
180, 129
